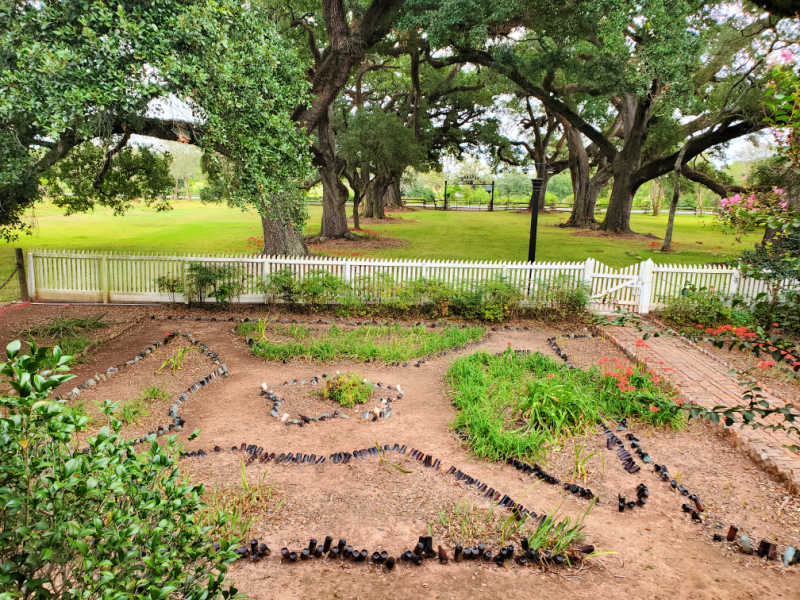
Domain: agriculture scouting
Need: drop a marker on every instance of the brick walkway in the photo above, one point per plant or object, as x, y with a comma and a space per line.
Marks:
705, 380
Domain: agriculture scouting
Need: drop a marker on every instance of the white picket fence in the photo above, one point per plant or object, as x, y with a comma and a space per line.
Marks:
84, 276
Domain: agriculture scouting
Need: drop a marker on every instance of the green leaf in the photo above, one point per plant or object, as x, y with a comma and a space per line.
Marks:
12, 349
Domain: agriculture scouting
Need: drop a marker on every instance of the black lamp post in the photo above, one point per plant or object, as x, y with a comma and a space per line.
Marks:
537, 190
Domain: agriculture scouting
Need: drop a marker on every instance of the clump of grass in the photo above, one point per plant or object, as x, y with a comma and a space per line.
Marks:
348, 389
466, 524
155, 393
175, 362
61, 327
134, 410
68, 334
556, 534
514, 405
75, 346
389, 343
243, 504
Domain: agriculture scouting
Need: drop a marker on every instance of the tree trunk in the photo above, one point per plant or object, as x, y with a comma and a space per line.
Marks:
582, 204
334, 204
699, 201
585, 189
375, 194
618, 215
625, 164
655, 197
356, 202
542, 173
676, 195
281, 239
334, 192
391, 196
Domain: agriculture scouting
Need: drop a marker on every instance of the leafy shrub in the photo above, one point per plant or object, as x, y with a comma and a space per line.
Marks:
348, 389
221, 282
568, 300
766, 309
171, 285
281, 285
698, 306
105, 522
494, 300
321, 287
432, 296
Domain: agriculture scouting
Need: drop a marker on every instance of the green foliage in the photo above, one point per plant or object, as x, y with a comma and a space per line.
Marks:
466, 524
102, 523
243, 503
221, 282
75, 346
65, 327
67, 333
348, 389
766, 310
562, 300
170, 285
321, 287
390, 343
494, 300
175, 362
513, 405
774, 260
80, 78
280, 284
699, 306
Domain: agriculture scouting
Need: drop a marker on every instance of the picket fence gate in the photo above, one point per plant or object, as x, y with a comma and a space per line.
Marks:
110, 277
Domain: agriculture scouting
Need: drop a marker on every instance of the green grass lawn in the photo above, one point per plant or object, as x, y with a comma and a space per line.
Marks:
197, 227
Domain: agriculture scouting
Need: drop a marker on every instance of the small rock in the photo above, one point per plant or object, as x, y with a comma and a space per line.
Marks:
745, 545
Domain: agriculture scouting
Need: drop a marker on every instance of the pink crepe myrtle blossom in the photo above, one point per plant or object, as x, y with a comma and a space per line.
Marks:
786, 55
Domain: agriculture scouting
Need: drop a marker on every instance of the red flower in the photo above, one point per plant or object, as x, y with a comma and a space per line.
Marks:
766, 364
653, 408
776, 324
550, 375
699, 326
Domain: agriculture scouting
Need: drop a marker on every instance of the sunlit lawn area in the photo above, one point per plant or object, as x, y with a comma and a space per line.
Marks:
197, 227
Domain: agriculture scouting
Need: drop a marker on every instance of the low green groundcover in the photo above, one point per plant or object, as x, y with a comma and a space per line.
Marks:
519, 405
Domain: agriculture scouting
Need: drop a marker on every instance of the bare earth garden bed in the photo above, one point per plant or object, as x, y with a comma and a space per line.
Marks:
388, 499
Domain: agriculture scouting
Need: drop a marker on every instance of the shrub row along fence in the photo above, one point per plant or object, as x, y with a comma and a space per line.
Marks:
83, 276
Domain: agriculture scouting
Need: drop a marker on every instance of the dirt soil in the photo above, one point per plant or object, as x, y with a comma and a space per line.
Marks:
654, 551
626, 236
340, 245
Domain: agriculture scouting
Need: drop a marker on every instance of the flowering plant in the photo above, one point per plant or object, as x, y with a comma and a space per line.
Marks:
757, 341
773, 207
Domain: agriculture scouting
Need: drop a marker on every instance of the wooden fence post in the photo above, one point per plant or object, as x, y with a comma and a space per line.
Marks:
733, 284
31, 276
645, 286
21, 275
104, 291
588, 274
